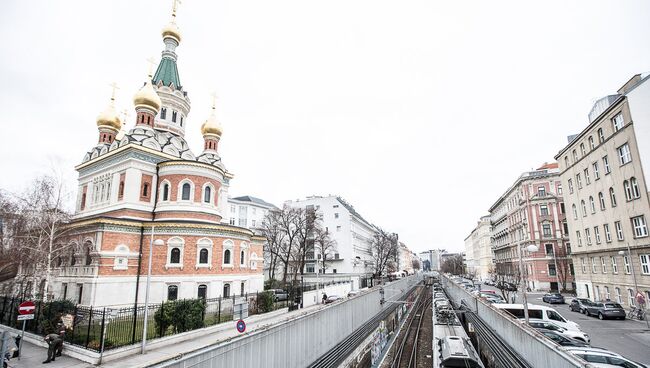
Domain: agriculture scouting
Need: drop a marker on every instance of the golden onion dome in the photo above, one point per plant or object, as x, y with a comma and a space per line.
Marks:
109, 118
211, 126
171, 30
147, 97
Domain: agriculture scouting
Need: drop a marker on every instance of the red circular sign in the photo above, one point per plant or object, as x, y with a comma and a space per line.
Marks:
27, 307
241, 326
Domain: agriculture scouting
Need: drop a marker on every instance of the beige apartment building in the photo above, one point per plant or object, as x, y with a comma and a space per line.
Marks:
478, 250
606, 197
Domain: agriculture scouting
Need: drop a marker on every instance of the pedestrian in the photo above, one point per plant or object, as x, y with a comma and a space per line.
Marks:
324, 298
53, 341
61, 331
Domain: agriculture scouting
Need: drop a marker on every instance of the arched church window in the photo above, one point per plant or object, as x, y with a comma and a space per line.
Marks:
166, 192
172, 292
203, 291
226, 256
226, 290
241, 258
174, 114
145, 189
88, 259
175, 257
186, 192
72, 259
163, 113
207, 194
203, 256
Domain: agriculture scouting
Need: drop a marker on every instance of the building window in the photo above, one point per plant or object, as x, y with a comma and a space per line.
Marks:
543, 210
242, 222
584, 265
174, 115
566, 228
549, 249
626, 264
65, 290
645, 264
570, 185
582, 149
566, 161
551, 270
639, 226
601, 200
624, 155
592, 204
165, 192
546, 230
606, 165
541, 191
602, 263
202, 292
232, 208
592, 145
186, 192
627, 188
575, 211
207, 194
575, 156
172, 292
579, 181
593, 264
597, 234
226, 256
635, 188
562, 209
608, 234
596, 172
601, 135
232, 221
336, 215
587, 177
584, 208
163, 113
80, 292
241, 289
617, 122
203, 256
242, 258
226, 290
630, 296
579, 237
614, 265
559, 189
606, 292
175, 256
253, 223
612, 196
619, 230
619, 297
588, 236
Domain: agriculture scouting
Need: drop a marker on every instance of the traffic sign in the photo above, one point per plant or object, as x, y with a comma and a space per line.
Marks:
27, 307
241, 326
25, 317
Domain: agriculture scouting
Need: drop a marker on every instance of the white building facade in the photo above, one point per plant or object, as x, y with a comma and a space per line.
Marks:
248, 211
478, 245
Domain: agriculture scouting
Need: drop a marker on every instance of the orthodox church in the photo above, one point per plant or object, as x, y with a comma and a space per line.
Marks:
144, 187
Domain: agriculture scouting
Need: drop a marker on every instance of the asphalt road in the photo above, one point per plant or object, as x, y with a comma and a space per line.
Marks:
630, 338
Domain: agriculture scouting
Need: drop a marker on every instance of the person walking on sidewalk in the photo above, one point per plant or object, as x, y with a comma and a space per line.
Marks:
60, 329
53, 341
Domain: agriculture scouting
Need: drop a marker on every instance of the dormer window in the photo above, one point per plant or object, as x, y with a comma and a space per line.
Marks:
163, 113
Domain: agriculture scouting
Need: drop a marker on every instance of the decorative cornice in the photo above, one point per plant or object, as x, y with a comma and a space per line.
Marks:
161, 226
177, 162
123, 149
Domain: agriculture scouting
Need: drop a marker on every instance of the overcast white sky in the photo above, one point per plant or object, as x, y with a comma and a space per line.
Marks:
419, 113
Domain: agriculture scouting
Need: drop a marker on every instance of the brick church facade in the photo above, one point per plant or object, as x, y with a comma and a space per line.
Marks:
145, 188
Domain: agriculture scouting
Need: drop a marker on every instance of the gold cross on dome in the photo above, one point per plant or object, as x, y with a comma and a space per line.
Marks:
152, 62
115, 87
175, 4
214, 100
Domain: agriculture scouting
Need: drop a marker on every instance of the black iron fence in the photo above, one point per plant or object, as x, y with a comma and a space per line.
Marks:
90, 327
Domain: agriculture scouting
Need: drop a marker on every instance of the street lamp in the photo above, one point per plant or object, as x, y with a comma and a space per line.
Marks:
636, 286
531, 248
146, 295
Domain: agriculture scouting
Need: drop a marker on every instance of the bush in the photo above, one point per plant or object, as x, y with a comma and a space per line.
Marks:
52, 313
265, 301
183, 315
164, 316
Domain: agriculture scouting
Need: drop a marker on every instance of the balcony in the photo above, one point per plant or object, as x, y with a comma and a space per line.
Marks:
79, 271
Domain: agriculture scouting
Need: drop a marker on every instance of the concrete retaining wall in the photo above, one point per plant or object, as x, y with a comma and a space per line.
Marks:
526, 341
299, 342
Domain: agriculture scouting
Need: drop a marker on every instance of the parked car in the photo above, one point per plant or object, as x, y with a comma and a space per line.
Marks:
553, 298
604, 358
493, 298
541, 312
579, 305
353, 293
489, 282
578, 335
332, 299
279, 294
504, 285
606, 310
561, 339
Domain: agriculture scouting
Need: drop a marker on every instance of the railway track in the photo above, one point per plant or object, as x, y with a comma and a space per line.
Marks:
406, 355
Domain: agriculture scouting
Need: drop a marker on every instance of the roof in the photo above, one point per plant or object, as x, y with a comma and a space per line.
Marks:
255, 200
167, 73
352, 210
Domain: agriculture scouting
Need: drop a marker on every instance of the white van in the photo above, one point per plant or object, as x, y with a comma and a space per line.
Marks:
539, 312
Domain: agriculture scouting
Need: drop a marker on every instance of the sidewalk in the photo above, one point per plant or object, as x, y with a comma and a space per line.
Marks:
33, 356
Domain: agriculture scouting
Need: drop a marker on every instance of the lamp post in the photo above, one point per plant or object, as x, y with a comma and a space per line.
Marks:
636, 286
146, 295
530, 248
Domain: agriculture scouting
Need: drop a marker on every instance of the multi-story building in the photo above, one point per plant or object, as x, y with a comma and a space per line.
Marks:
532, 212
607, 196
433, 257
404, 259
351, 232
145, 192
248, 211
478, 250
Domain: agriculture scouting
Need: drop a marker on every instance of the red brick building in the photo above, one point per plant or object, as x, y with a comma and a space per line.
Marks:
532, 212
146, 186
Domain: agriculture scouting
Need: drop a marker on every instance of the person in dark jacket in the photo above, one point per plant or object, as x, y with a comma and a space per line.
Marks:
60, 328
324, 298
53, 341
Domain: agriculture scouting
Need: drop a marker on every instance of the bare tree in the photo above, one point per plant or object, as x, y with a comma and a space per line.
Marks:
275, 238
383, 249
453, 265
563, 271
416, 264
324, 245
508, 279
